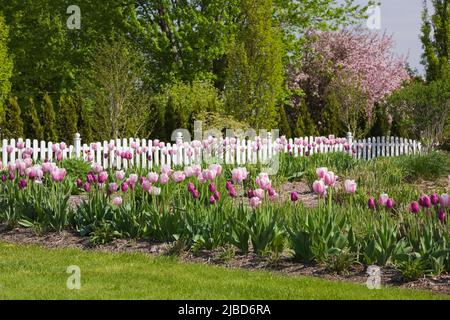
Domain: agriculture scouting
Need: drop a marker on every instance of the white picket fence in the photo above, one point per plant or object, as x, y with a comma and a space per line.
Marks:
124, 153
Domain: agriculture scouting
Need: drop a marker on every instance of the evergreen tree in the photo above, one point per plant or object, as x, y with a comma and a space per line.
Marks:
49, 119
67, 119
284, 126
255, 70
436, 40
33, 128
305, 124
85, 120
13, 125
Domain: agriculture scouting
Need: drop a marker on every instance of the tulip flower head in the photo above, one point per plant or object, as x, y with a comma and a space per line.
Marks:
319, 187
255, 202
371, 203
414, 207
321, 172
294, 196
382, 200
117, 201
350, 186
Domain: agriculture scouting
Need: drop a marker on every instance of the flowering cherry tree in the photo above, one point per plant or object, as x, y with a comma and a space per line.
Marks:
366, 55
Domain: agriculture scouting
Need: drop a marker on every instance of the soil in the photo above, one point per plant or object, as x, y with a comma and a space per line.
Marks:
225, 257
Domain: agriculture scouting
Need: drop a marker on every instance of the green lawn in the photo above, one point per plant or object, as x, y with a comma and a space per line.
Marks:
30, 272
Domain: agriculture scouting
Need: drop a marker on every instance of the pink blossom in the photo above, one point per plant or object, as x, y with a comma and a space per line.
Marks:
259, 193
330, 179
163, 178
445, 200
255, 202
263, 181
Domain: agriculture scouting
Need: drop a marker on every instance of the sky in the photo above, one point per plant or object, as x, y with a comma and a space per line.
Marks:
402, 19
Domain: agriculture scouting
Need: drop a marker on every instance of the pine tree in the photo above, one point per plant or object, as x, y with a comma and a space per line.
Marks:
67, 119
34, 129
49, 119
13, 125
305, 124
284, 126
436, 40
85, 120
255, 70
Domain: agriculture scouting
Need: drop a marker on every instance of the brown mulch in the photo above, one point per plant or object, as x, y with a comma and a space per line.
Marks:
284, 265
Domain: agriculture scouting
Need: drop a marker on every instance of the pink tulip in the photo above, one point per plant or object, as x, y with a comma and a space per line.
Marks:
190, 187
263, 181
319, 187
178, 176
259, 193
153, 177
58, 175
117, 201
294, 196
146, 185
212, 187
239, 174
350, 186
330, 179
217, 168
165, 169
163, 178
133, 179
195, 194
383, 199
113, 187
124, 187
120, 175
216, 195
229, 185
255, 202
209, 174
321, 172
102, 177
445, 200
212, 200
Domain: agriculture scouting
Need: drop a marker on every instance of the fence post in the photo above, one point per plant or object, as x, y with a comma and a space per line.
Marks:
350, 142
77, 145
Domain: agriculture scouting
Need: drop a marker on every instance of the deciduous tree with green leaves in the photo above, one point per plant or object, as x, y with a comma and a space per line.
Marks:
436, 40
255, 68
6, 67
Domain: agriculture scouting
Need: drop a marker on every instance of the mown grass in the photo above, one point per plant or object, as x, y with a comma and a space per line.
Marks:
30, 272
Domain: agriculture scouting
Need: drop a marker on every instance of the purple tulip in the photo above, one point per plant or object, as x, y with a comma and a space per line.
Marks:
11, 176
23, 184
425, 201
434, 198
271, 192
195, 194
229, 185
124, 187
389, 203
250, 193
294, 196
3, 177
371, 203
233, 192
87, 187
216, 195
79, 183
212, 200
212, 187
414, 207
90, 177
441, 215
191, 187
